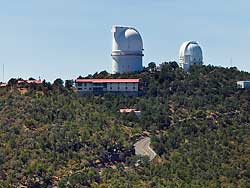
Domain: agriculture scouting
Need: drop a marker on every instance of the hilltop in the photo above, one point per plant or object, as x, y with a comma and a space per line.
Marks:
199, 124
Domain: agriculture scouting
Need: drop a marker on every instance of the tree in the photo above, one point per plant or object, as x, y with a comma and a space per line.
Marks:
174, 64
103, 74
69, 84
152, 66
58, 83
198, 124
12, 81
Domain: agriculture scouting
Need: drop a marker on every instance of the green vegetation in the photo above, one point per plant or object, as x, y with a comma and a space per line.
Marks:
199, 123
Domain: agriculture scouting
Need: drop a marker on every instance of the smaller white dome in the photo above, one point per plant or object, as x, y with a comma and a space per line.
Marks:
190, 53
194, 50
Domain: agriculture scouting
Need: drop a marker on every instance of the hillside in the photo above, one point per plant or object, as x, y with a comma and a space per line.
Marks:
199, 124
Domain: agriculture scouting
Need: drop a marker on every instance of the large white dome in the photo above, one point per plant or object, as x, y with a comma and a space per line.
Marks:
190, 53
127, 50
127, 39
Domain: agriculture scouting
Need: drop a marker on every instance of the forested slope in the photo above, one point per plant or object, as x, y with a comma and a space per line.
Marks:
199, 123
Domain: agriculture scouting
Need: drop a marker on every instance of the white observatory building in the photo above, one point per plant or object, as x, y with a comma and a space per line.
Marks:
127, 50
190, 54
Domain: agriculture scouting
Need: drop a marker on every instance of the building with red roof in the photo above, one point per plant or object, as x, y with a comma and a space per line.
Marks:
22, 83
3, 84
29, 81
130, 110
99, 86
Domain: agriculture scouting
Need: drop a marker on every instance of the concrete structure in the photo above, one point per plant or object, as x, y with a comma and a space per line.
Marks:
190, 54
128, 87
127, 50
243, 84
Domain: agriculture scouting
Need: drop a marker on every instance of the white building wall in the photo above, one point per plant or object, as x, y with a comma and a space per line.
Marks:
122, 87
243, 84
123, 64
84, 86
111, 87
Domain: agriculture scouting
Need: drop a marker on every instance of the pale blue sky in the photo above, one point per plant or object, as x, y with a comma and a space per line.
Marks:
68, 38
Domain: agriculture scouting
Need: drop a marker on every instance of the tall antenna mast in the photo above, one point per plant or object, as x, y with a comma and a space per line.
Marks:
3, 73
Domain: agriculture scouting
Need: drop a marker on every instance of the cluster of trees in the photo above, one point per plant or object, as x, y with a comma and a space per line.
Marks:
199, 124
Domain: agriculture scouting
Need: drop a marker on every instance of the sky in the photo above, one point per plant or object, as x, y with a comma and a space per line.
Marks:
66, 38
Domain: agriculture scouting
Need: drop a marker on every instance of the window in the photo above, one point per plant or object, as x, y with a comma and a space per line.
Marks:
118, 87
126, 88
90, 88
79, 88
110, 88
85, 84
79, 84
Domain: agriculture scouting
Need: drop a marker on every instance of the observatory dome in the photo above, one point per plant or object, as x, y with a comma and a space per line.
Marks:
127, 50
190, 54
126, 39
134, 40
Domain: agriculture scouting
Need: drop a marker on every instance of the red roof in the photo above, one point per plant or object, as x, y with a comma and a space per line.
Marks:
128, 110
30, 81
3, 85
107, 80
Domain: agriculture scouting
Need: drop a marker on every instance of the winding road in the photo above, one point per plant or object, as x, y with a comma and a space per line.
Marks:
142, 147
